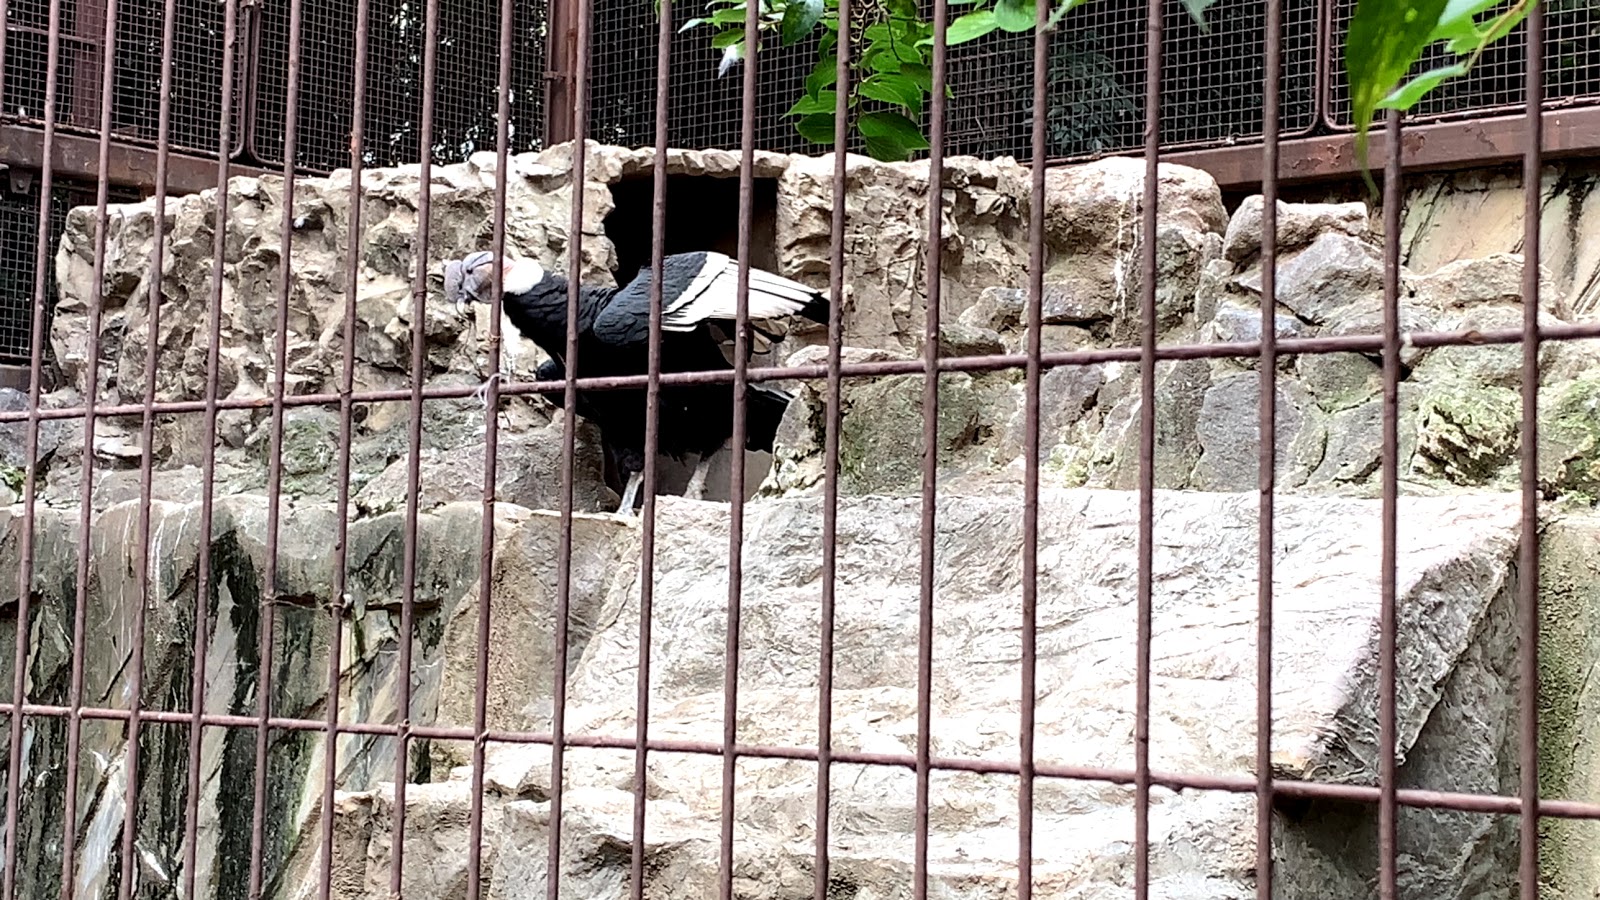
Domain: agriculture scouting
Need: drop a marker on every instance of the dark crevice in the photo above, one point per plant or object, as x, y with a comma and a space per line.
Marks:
702, 214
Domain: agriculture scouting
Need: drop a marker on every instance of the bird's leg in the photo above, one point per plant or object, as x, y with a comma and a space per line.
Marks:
696, 488
630, 493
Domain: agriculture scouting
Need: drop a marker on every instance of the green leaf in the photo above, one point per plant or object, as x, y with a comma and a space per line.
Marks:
1013, 15
887, 149
1197, 11
1066, 7
817, 128
1505, 23
690, 24
725, 39
799, 19
970, 27
1459, 20
1386, 38
733, 15
894, 89
892, 126
878, 31
824, 102
920, 75
825, 74
901, 9
1407, 96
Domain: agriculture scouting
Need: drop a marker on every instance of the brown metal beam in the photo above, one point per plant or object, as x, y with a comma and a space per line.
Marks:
560, 67
1468, 143
76, 157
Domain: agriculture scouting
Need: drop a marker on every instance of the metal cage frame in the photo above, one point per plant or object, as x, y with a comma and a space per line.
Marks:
1264, 785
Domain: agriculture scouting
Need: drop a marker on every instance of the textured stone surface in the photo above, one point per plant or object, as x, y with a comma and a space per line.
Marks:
1334, 272
1298, 225
1456, 636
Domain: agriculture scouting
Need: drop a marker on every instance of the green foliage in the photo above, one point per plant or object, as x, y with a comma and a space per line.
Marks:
1388, 37
891, 75
891, 68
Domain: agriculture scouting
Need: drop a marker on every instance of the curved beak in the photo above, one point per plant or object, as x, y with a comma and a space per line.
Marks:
465, 278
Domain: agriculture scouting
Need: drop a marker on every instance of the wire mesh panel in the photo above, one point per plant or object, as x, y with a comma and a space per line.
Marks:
27, 48
136, 86
465, 96
1210, 80
703, 107
1495, 83
1211, 90
19, 231
196, 74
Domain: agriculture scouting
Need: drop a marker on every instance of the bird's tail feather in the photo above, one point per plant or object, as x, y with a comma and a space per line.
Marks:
815, 302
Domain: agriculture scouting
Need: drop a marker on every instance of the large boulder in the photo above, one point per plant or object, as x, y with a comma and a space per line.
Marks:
1457, 639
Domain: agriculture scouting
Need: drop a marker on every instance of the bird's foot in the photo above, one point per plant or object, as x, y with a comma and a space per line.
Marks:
630, 494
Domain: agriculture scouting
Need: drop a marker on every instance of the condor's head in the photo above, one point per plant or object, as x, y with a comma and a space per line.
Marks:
470, 278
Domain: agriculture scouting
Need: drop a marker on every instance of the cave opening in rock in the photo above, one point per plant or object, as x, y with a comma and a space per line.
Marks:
702, 214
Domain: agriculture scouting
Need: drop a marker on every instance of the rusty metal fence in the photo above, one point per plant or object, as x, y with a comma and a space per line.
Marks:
1211, 93
1282, 110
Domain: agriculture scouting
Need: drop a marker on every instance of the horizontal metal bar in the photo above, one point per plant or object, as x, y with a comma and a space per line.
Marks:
90, 41
1361, 343
1493, 804
1464, 143
77, 157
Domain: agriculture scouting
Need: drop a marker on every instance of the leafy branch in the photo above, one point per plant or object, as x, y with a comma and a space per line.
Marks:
891, 75
1387, 38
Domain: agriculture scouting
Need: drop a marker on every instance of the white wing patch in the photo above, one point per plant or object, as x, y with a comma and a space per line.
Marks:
714, 294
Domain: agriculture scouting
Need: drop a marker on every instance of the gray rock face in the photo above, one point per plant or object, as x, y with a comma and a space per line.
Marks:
14, 435
1334, 272
1230, 441
1299, 224
1456, 636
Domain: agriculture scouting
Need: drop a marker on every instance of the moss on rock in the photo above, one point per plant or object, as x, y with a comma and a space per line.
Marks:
1466, 433
1569, 439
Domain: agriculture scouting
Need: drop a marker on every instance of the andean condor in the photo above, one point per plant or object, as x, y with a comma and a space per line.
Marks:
699, 293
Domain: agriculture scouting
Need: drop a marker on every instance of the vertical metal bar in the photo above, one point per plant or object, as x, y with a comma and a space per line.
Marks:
419, 361
268, 620
930, 450
31, 439
1147, 446
652, 443
1528, 555
1030, 442
208, 464
85, 63
830, 454
569, 418
339, 602
91, 396
1266, 429
736, 451
152, 358
5, 16
1388, 852
490, 468
559, 83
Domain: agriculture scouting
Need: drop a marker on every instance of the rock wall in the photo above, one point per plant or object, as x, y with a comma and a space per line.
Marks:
1459, 531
